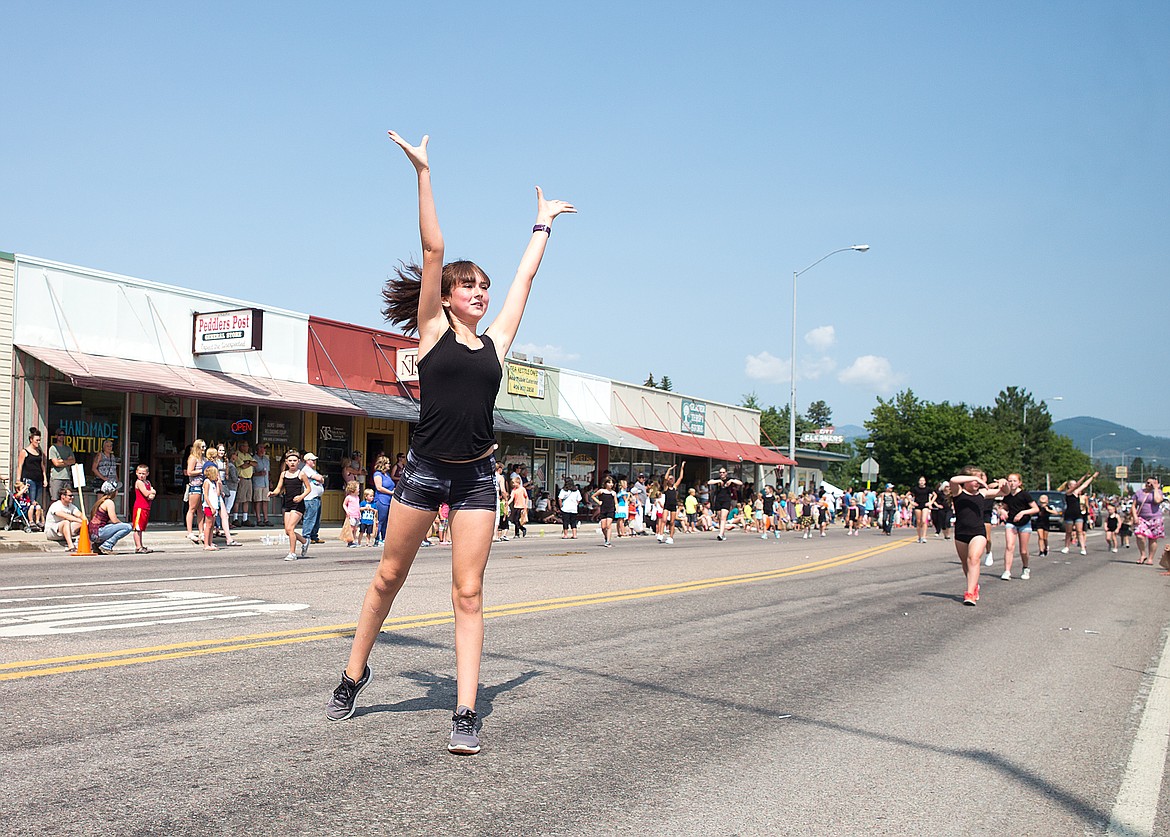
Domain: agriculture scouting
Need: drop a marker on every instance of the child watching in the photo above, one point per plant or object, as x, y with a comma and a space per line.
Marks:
144, 494
368, 516
352, 506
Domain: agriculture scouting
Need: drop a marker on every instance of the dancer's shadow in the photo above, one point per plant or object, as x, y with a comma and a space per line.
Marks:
950, 596
441, 693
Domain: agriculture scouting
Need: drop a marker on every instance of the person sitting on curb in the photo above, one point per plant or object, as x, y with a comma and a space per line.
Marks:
63, 520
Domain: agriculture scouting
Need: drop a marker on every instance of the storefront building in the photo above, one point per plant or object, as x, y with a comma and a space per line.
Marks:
148, 368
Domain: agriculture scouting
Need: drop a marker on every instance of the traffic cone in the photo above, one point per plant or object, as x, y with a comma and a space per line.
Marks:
84, 547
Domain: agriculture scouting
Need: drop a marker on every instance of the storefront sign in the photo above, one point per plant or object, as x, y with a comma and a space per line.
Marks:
228, 331
327, 433
581, 468
525, 380
274, 432
823, 436
241, 427
85, 436
406, 364
693, 418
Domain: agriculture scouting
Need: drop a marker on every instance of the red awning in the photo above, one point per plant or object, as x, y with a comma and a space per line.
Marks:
687, 445
764, 456
119, 375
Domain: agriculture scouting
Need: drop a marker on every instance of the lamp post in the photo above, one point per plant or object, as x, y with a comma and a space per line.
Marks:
1091, 441
1024, 430
1127, 450
860, 248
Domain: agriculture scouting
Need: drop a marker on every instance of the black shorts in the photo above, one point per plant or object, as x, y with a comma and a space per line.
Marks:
428, 483
288, 505
569, 520
967, 537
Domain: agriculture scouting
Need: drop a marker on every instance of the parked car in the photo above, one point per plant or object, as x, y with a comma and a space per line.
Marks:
1056, 504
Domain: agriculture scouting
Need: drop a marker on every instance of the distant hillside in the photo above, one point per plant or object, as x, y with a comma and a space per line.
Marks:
1082, 429
852, 431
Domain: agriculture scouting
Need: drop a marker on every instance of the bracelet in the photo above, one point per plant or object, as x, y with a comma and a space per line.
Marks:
544, 228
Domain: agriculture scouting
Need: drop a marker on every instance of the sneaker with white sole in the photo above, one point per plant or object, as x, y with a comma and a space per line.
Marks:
341, 705
1064, 551
1007, 576
305, 548
1083, 552
1026, 574
988, 560
464, 735
669, 540
292, 556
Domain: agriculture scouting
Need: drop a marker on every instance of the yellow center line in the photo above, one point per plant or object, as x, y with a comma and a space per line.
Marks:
181, 650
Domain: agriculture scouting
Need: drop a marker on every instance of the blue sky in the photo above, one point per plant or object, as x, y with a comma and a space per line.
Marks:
1006, 162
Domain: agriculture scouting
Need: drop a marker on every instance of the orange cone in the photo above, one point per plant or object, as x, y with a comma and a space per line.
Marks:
84, 547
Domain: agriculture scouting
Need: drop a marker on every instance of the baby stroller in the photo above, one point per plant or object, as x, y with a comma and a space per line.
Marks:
11, 509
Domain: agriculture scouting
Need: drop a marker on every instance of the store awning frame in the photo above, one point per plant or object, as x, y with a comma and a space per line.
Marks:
122, 375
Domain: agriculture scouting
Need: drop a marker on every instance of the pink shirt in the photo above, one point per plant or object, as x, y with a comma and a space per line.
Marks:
351, 505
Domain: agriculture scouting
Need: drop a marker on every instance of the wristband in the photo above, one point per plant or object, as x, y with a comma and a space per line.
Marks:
544, 228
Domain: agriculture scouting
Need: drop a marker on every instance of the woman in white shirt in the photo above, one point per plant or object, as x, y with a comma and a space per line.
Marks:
570, 501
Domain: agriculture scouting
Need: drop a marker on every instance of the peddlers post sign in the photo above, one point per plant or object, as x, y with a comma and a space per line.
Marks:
241, 330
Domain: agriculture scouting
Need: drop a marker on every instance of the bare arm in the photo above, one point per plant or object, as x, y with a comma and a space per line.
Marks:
1084, 483
503, 329
93, 467
306, 486
279, 486
432, 322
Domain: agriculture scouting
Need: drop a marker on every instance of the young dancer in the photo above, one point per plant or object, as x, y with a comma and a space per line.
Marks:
1128, 521
1112, 525
1021, 509
1074, 517
670, 503
723, 496
606, 499
518, 501
968, 492
450, 458
924, 498
1043, 521
293, 487
621, 513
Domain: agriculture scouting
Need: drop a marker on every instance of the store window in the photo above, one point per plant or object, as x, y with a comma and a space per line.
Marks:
334, 443
225, 424
514, 451
280, 430
90, 419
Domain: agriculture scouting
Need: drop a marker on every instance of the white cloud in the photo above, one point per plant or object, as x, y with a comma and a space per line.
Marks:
553, 355
766, 367
775, 370
872, 373
821, 338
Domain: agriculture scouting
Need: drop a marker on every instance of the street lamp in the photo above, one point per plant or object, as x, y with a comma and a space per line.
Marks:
1024, 431
1095, 438
860, 248
1127, 450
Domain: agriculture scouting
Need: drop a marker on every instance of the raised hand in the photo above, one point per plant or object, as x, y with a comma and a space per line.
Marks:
417, 154
546, 210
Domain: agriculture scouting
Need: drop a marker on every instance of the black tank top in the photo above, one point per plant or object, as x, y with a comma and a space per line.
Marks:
968, 514
1072, 507
32, 467
670, 501
458, 388
292, 487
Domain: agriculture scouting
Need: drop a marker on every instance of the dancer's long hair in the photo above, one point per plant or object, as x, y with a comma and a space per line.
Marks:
401, 291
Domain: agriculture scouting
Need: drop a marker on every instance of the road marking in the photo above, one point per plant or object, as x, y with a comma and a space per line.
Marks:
125, 581
197, 648
136, 610
1136, 807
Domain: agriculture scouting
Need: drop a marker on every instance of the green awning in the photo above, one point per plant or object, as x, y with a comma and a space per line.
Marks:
551, 427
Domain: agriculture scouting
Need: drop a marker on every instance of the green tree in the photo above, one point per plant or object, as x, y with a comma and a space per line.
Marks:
650, 382
666, 383
819, 414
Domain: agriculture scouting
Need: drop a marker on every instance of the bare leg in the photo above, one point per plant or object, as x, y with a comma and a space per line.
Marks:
1008, 548
971, 557
404, 532
471, 541
291, 519
1024, 538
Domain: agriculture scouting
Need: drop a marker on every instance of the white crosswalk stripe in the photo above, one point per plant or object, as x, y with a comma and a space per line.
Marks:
99, 612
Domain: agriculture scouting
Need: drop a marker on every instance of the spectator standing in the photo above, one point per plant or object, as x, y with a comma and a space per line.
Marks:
195, 466
570, 501
383, 494
245, 466
354, 470
1147, 503
61, 459
30, 465
261, 484
144, 494
105, 465
312, 523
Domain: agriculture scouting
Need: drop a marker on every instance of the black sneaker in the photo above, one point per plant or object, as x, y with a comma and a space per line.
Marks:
464, 738
341, 705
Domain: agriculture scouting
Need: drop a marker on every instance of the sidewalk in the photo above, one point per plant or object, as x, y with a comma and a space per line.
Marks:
172, 537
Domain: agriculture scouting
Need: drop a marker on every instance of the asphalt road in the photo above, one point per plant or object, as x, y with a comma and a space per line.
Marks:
831, 686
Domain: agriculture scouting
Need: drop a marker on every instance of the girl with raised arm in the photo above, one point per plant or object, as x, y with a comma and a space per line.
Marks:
968, 492
1074, 515
451, 450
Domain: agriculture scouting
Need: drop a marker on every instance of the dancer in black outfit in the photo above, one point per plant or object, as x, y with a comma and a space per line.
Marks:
450, 459
969, 493
724, 495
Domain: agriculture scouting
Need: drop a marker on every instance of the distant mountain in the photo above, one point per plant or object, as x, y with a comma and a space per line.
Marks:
1084, 429
852, 431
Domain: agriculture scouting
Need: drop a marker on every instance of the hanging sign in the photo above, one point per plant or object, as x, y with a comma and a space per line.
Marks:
525, 380
406, 364
241, 427
241, 330
693, 418
823, 436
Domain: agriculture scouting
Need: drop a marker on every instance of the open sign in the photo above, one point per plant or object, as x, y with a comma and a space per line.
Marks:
241, 427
